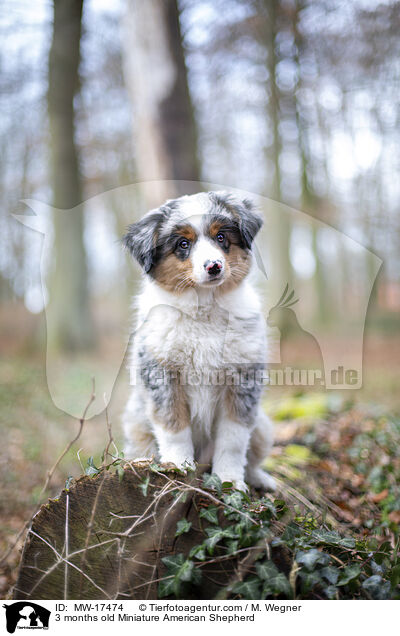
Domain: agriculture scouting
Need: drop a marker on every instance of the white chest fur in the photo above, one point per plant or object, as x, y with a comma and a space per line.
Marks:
197, 332
197, 335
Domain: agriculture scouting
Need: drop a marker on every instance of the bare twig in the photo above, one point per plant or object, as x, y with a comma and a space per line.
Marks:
82, 420
96, 499
66, 547
61, 559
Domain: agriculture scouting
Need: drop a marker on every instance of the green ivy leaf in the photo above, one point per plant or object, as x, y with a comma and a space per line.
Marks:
168, 587
248, 539
156, 468
185, 572
386, 548
331, 591
215, 535
268, 509
91, 469
244, 526
213, 538
181, 570
266, 570
249, 589
120, 472
291, 532
212, 482
232, 546
376, 568
235, 500
196, 575
173, 562
349, 573
179, 495
325, 536
311, 558
376, 587
347, 542
210, 514
275, 581
68, 482
330, 574
395, 575
144, 485
199, 552
309, 580
331, 537
182, 526
277, 585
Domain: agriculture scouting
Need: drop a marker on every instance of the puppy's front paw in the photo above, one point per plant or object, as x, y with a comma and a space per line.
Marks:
237, 482
184, 465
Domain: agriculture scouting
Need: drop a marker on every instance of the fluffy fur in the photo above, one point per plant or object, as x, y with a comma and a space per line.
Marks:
198, 317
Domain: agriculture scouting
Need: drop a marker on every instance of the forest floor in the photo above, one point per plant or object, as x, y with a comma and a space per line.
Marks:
336, 455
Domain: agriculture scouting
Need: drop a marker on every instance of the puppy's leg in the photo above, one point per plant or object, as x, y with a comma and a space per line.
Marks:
231, 443
174, 446
168, 412
237, 418
261, 441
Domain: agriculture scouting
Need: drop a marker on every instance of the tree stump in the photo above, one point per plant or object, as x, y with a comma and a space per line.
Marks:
105, 538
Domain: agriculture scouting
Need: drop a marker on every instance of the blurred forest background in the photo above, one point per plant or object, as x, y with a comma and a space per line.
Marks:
296, 101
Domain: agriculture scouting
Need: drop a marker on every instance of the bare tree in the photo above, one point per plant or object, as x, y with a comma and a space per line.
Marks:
71, 327
164, 128
279, 247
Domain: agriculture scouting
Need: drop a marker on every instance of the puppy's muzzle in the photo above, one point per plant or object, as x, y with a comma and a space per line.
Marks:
213, 268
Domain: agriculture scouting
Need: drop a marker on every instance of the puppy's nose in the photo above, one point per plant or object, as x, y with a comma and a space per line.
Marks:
213, 267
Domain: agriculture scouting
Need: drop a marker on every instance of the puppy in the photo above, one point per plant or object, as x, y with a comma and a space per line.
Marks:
199, 341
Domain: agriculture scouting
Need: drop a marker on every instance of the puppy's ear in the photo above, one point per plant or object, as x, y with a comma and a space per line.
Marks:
141, 239
250, 221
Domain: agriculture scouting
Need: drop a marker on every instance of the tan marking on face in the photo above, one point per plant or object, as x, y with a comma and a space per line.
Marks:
174, 275
215, 228
237, 266
187, 232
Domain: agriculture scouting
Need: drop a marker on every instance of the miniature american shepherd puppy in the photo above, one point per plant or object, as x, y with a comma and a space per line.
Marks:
199, 341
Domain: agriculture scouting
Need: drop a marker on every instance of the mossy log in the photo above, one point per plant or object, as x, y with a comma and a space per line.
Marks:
105, 538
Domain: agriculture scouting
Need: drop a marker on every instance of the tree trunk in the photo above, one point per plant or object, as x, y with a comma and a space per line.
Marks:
106, 538
71, 327
164, 132
308, 198
279, 244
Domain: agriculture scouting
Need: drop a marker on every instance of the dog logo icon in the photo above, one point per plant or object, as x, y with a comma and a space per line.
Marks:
26, 615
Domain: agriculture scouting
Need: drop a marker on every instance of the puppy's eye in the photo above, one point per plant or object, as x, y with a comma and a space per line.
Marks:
184, 244
220, 237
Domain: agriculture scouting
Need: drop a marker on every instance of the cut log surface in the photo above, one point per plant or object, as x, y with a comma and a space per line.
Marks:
106, 537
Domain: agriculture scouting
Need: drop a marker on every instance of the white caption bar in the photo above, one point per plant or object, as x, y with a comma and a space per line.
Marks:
304, 617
